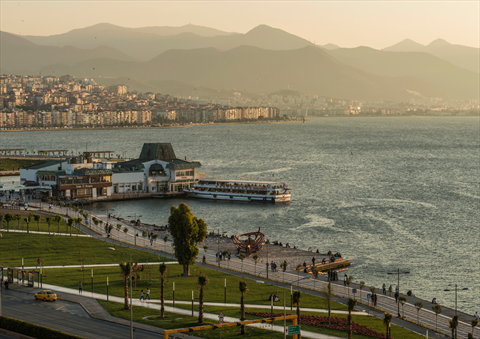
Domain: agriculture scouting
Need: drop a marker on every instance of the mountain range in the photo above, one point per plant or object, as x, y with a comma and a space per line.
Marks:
194, 59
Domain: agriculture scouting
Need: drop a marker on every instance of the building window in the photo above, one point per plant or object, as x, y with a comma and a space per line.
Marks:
134, 188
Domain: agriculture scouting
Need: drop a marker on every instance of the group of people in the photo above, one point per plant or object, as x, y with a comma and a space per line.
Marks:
222, 255
274, 297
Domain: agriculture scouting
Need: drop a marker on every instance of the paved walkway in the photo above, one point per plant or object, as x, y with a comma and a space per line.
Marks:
301, 280
100, 265
46, 233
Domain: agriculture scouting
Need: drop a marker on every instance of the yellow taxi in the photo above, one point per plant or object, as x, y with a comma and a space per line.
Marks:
46, 295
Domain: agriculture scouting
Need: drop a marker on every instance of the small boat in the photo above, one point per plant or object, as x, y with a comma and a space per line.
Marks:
240, 190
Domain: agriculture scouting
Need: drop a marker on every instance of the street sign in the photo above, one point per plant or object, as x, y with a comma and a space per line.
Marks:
220, 317
369, 295
294, 329
354, 290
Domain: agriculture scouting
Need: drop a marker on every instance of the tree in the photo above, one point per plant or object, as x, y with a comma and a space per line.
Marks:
350, 307
126, 231
1, 220
315, 272
402, 300
18, 217
49, 221
453, 324
298, 269
437, 309
162, 269
27, 221
144, 235
187, 231
58, 220
242, 258
349, 281
125, 272
242, 286
418, 306
255, 258
361, 284
202, 282
386, 322
296, 300
327, 293
8, 218
283, 266
165, 240
119, 227
70, 224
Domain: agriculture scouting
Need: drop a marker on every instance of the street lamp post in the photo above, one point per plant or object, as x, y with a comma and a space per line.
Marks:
131, 306
456, 289
398, 284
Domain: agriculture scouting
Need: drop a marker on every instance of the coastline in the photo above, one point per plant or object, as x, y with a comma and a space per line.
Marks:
145, 127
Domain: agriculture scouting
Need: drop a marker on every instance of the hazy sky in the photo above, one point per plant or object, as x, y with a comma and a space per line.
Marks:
346, 23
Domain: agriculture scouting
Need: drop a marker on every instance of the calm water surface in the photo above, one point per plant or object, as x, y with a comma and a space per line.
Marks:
387, 193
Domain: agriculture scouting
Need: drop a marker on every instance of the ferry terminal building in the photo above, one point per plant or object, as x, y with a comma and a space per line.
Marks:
157, 170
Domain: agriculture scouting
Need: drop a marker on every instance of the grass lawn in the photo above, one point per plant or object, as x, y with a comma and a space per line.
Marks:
62, 250
181, 321
214, 292
367, 321
16, 164
33, 226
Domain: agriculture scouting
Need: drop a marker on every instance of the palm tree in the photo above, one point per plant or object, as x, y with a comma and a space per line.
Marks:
255, 258
202, 281
49, 221
349, 281
162, 269
350, 306
386, 322
402, 300
327, 293
70, 224
453, 324
8, 218
474, 323
126, 231
17, 217
125, 271
165, 240
242, 258
27, 221
242, 286
315, 272
418, 306
1, 220
37, 218
296, 300
58, 220
373, 289
437, 309
119, 227
144, 235
283, 266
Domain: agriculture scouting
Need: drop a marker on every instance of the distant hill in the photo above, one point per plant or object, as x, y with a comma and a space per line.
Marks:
330, 46
20, 55
146, 44
462, 56
309, 70
459, 82
168, 30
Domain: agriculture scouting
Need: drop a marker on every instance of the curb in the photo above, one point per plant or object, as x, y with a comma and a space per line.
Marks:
15, 334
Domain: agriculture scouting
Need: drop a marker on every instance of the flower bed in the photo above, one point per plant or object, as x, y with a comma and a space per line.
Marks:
339, 324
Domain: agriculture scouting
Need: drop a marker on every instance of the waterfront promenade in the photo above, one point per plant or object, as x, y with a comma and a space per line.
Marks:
298, 280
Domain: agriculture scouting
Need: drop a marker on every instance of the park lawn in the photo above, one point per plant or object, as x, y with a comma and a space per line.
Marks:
42, 227
367, 321
214, 292
62, 250
15, 164
182, 321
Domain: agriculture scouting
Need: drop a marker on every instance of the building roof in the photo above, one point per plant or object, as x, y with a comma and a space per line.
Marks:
50, 172
176, 164
157, 151
44, 164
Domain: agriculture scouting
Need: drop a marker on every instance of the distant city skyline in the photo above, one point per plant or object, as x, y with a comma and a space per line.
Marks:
344, 23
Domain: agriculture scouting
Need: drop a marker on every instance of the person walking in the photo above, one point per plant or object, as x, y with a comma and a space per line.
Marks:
38, 262
396, 297
142, 295
375, 299
345, 280
148, 294
80, 287
390, 290
313, 261
476, 315
384, 288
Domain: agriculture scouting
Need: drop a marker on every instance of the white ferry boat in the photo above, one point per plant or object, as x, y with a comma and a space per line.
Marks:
240, 190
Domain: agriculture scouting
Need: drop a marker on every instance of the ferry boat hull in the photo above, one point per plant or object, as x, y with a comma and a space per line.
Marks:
238, 197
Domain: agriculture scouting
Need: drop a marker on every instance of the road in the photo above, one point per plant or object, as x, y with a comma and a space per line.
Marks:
63, 316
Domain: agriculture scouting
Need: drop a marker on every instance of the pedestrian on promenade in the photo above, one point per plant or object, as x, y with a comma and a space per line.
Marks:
434, 301
38, 262
384, 288
345, 280
204, 261
216, 257
80, 287
396, 297
375, 299
390, 290
142, 295
397, 289
476, 315
313, 261
148, 293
